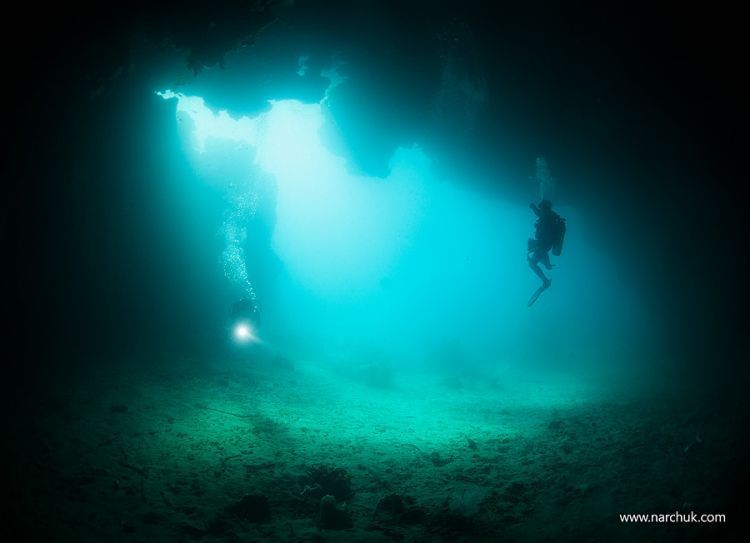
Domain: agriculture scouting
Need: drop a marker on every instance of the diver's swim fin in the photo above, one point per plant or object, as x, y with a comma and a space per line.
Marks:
538, 292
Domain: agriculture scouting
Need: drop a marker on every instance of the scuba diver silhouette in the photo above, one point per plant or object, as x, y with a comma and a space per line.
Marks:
550, 232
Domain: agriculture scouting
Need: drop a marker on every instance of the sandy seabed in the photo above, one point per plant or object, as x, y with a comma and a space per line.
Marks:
248, 451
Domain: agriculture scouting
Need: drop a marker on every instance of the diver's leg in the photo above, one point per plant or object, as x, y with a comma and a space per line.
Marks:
546, 262
534, 259
534, 265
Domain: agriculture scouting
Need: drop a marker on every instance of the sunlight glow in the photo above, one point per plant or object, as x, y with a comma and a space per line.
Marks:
361, 256
334, 231
206, 124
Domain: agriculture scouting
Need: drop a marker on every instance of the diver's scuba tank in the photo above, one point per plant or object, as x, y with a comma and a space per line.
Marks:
559, 236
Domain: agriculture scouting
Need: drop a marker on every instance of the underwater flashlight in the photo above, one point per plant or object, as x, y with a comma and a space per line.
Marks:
246, 319
245, 333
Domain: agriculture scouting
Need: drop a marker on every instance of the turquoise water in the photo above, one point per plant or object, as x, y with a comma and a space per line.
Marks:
405, 265
274, 281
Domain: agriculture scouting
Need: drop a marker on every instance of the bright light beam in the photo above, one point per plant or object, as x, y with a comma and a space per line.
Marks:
245, 333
